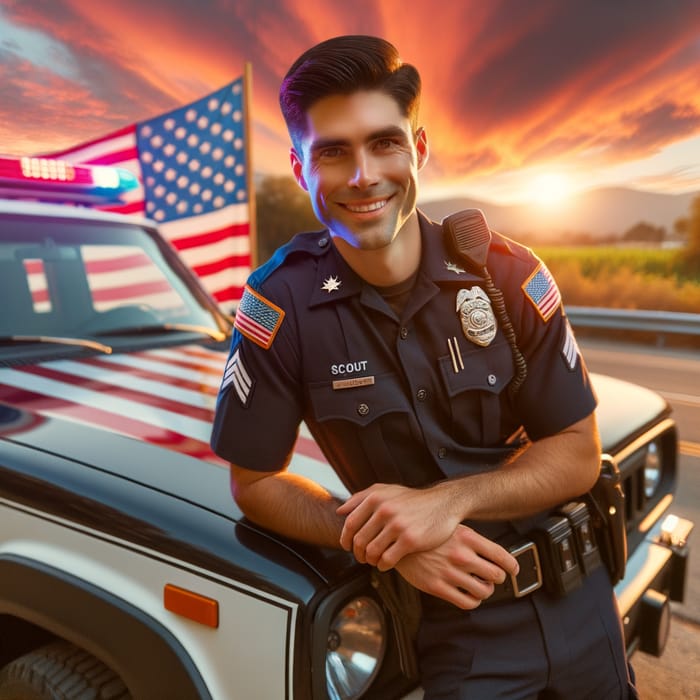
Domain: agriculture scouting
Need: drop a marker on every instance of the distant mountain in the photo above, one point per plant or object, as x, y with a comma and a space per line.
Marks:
599, 212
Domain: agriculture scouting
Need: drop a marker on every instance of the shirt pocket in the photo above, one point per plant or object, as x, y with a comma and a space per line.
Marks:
477, 394
369, 428
360, 405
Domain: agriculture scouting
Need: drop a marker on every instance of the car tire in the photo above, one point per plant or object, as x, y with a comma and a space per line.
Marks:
60, 671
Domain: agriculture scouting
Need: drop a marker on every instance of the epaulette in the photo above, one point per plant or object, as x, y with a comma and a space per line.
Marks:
508, 246
313, 243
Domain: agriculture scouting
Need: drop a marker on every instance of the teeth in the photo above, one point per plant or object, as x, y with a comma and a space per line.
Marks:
362, 208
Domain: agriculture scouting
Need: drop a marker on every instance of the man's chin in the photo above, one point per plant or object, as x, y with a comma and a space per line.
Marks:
363, 240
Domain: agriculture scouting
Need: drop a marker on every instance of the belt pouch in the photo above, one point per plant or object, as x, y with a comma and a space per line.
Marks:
555, 542
579, 519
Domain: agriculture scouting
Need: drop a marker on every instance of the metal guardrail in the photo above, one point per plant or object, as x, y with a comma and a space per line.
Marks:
659, 322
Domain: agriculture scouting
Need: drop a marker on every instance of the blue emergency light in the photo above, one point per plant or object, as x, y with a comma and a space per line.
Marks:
57, 180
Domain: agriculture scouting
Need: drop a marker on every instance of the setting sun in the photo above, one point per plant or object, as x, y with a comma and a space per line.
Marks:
550, 190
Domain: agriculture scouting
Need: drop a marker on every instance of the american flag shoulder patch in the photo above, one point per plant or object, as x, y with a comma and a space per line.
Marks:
569, 349
541, 289
257, 318
237, 376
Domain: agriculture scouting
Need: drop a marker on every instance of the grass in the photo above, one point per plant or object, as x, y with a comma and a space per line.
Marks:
623, 278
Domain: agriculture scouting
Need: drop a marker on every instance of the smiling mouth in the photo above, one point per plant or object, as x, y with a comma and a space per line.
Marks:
359, 208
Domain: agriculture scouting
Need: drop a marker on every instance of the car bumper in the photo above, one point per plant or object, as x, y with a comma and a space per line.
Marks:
655, 575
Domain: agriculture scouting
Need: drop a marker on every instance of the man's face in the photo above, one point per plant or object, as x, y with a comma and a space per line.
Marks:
359, 162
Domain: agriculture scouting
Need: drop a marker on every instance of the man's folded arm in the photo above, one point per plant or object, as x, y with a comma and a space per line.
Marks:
288, 504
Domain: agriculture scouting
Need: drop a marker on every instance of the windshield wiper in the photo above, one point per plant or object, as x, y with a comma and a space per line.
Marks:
57, 340
166, 328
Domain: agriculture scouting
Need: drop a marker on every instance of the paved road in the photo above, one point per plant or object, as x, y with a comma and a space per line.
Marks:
675, 375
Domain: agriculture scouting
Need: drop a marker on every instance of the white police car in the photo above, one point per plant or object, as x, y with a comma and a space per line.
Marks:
126, 569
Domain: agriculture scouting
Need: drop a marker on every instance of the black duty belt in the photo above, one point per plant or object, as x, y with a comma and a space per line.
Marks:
556, 556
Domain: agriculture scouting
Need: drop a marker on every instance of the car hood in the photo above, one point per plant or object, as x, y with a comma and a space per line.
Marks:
101, 410
624, 410
107, 410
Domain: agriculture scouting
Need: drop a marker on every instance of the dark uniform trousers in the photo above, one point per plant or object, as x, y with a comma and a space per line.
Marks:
534, 648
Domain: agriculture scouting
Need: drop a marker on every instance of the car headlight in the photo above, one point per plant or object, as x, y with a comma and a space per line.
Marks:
356, 644
652, 469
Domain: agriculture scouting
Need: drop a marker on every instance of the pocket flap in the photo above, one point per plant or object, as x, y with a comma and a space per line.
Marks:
485, 369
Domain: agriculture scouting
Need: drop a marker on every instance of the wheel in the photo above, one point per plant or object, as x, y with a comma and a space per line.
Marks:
60, 671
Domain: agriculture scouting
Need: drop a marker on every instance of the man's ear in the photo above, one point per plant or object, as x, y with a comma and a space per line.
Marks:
297, 168
422, 147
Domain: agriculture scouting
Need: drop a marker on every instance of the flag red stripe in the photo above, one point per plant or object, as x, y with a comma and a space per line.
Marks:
130, 208
181, 363
209, 237
154, 376
230, 262
130, 291
140, 397
101, 139
114, 158
125, 262
22, 398
233, 293
195, 351
40, 296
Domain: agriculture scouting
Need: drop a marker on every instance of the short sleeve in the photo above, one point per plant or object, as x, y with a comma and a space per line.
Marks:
557, 391
259, 406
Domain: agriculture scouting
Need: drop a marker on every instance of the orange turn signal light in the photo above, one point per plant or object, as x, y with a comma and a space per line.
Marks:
191, 605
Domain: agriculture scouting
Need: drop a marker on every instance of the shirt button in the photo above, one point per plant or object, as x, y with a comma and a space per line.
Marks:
421, 394
322, 242
442, 452
491, 379
403, 333
363, 409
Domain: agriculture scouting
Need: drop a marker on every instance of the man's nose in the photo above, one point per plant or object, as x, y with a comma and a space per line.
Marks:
364, 171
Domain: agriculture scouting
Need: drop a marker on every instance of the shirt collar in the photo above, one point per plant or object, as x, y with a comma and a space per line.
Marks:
335, 279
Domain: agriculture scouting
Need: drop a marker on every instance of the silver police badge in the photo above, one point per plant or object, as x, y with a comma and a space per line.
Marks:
476, 315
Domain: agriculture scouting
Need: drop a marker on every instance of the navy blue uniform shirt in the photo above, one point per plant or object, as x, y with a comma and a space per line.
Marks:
393, 398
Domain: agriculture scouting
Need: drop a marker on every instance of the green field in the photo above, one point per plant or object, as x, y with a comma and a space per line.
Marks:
622, 277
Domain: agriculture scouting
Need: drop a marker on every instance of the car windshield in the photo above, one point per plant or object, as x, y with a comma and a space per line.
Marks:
86, 278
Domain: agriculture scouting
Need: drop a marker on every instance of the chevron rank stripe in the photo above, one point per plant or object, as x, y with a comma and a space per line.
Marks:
236, 374
570, 350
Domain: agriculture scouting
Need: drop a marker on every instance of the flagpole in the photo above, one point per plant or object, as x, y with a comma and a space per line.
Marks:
247, 101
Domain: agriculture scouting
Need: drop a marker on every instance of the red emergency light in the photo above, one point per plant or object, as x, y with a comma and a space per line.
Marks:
58, 180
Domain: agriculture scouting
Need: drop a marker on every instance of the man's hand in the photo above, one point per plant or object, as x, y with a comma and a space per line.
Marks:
462, 570
385, 522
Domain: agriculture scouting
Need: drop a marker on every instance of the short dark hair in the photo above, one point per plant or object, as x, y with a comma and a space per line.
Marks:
341, 66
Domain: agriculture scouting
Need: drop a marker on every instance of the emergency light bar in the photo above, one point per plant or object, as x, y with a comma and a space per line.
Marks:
58, 180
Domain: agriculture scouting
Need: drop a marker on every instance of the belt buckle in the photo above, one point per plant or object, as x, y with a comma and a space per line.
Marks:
531, 560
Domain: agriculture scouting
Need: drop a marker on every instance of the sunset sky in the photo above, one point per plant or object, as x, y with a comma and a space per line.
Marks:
523, 99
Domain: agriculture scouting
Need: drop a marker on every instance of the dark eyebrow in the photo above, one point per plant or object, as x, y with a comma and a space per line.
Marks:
386, 132
320, 144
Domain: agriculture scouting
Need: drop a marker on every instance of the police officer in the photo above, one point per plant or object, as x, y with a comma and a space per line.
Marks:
435, 367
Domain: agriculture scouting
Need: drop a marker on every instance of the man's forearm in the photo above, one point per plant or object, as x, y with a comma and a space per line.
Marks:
546, 473
291, 505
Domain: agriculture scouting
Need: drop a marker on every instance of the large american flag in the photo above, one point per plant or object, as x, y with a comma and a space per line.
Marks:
191, 165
